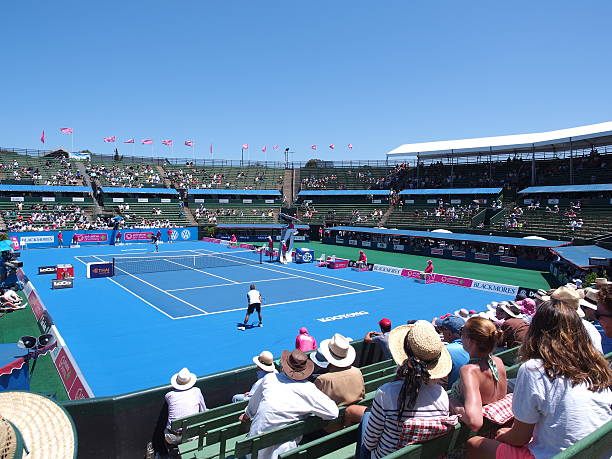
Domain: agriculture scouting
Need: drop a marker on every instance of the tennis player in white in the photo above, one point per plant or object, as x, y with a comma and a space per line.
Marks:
254, 304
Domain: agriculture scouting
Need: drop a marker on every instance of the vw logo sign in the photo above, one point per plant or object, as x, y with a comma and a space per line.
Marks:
307, 257
174, 235
186, 234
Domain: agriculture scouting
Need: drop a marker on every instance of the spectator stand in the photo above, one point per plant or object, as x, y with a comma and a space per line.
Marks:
575, 262
215, 206
52, 169
145, 207
354, 207
350, 178
39, 207
248, 177
494, 250
445, 208
581, 211
258, 232
119, 174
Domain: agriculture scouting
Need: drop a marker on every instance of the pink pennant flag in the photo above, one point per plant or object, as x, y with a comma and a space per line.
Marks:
167, 143
189, 143
263, 148
275, 147
245, 146
350, 145
331, 146
129, 141
109, 139
66, 130
147, 142
314, 147
42, 136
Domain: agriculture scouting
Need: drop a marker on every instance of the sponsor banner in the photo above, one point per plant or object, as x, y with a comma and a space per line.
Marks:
343, 316
481, 256
199, 200
366, 244
15, 242
352, 242
17, 198
504, 289
528, 292
398, 247
432, 201
553, 201
165, 200
437, 251
511, 260
300, 238
130, 236
143, 199
48, 199
62, 283
27, 240
78, 390
247, 201
117, 199
381, 245
452, 280
78, 199
65, 368
97, 270
37, 307
223, 201
212, 239
339, 240
91, 237
458, 253
528, 201
270, 201
411, 273
21, 277
81, 156
47, 269
408, 201
376, 201
388, 269
455, 201
246, 246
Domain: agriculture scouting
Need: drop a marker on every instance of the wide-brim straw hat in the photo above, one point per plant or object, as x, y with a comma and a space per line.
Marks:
425, 344
338, 351
265, 361
46, 428
183, 380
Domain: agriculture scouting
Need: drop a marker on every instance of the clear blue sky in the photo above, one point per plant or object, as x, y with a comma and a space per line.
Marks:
372, 73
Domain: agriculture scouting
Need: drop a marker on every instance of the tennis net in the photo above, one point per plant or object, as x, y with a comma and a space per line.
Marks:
154, 264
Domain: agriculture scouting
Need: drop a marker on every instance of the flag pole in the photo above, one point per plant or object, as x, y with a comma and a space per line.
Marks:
72, 141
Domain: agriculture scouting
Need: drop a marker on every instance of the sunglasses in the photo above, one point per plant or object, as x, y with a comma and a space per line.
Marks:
599, 315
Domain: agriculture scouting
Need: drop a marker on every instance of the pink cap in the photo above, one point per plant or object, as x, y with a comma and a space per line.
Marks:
303, 330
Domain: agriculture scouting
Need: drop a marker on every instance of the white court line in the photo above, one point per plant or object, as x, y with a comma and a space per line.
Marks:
137, 296
282, 302
233, 283
303, 272
157, 288
169, 253
133, 250
200, 271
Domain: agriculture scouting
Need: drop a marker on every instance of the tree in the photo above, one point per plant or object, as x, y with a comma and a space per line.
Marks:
312, 162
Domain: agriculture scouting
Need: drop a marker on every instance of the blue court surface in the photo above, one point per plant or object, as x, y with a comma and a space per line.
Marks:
133, 331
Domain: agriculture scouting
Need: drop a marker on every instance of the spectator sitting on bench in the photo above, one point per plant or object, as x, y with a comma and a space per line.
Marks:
562, 392
265, 365
450, 327
343, 383
513, 327
381, 338
184, 400
284, 398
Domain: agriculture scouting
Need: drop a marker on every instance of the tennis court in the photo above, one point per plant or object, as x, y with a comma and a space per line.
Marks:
136, 329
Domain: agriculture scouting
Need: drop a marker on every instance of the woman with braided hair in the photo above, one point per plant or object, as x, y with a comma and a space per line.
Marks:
416, 393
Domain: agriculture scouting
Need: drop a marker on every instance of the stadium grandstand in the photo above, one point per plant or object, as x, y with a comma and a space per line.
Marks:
510, 223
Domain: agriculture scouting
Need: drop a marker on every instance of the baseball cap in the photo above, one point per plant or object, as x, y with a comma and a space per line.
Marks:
384, 322
453, 323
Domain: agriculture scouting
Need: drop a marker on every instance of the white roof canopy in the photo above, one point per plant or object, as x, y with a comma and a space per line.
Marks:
580, 137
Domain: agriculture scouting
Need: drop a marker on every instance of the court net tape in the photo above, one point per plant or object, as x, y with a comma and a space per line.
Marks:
154, 264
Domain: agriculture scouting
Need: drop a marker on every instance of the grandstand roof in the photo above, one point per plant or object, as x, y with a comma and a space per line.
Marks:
567, 189
580, 137
235, 192
45, 189
435, 191
257, 226
343, 193
120, 190
502, 240
579, 256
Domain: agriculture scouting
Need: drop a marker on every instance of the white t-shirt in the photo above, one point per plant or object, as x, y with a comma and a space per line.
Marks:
254, 296
562, 414
593, 334
184, 403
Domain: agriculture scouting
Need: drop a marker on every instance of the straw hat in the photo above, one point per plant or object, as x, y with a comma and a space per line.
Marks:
590, 298
46, 428
510, 308
425, 344
338, 351
569, 296
296, 365
265, 361
183, 380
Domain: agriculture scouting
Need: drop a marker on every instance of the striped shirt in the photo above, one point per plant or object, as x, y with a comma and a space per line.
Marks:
383, 431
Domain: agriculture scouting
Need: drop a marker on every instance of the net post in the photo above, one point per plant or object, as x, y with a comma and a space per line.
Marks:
113, 270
